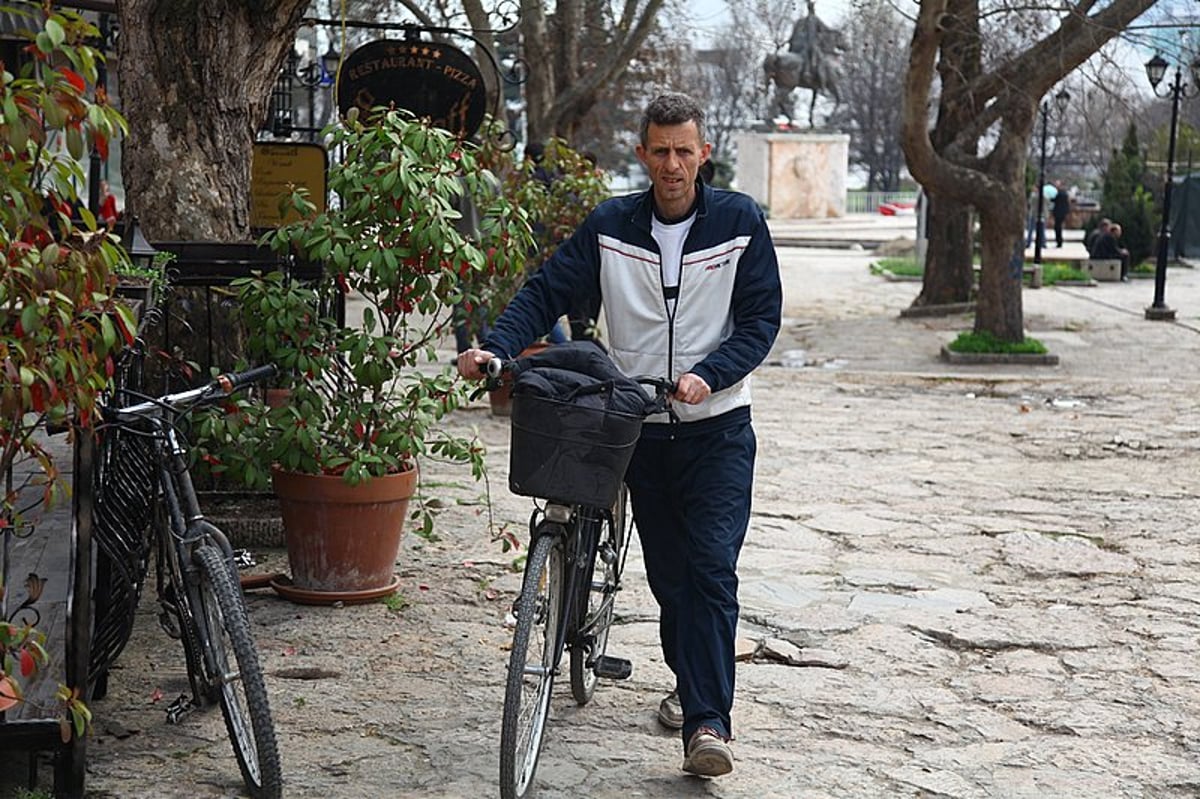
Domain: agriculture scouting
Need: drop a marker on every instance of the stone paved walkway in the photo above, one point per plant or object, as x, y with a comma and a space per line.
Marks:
992, 569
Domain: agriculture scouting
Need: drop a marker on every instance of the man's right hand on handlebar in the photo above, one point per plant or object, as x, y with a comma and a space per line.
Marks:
472, 364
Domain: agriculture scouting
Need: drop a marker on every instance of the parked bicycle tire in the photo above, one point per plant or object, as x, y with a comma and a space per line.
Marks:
242, 693
596, 602
531, 665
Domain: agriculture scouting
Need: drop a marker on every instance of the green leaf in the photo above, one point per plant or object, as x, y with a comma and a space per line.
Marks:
55, 32
75, 143
108, 332
31, 318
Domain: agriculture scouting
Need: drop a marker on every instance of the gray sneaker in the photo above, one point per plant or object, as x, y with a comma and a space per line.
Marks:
670, 711
708, 755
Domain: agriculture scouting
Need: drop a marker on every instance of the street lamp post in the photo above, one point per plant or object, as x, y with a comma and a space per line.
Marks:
1156, 70
1060, 103
314, 73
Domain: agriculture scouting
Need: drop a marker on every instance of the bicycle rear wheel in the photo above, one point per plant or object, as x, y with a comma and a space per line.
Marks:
531, 665
240, 687
595, 602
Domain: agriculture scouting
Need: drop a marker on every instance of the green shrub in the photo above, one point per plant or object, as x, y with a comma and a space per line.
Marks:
1056, 271
987, 342
904, 267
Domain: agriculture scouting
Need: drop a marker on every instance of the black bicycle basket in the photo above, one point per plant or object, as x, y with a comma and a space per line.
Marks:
575, 423
569, 452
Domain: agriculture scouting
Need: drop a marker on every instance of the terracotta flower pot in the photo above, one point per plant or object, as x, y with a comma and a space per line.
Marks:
342, 540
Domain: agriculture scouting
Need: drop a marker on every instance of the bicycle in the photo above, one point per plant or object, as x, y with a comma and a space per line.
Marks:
143, 461
578, 544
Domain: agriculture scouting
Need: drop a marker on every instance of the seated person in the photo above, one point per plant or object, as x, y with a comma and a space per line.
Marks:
1108, 247
1099, 230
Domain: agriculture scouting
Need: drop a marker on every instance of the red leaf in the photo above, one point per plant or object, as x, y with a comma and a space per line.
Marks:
156, 695
74, 78
8, 694
101, 142
28, 664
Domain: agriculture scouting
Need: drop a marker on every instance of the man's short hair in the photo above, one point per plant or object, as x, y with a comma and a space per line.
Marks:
672, 108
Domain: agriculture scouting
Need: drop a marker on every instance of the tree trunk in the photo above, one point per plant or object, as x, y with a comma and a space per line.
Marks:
539, 88
949, 271
196, 77
563, 87
1003, 104
998, 309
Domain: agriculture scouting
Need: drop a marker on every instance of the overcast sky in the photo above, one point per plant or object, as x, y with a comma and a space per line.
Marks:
710, 17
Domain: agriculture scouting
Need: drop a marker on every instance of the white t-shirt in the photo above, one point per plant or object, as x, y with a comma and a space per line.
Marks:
670, 238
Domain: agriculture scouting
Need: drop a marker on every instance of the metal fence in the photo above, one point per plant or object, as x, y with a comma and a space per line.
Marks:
868, 202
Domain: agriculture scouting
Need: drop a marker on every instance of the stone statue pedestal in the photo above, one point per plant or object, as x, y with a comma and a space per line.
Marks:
795, 175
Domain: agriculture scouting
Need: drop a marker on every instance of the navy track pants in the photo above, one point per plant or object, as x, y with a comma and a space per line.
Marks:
691, 503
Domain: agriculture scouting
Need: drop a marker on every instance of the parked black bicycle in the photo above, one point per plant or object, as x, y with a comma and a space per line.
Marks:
144, 481
575, 421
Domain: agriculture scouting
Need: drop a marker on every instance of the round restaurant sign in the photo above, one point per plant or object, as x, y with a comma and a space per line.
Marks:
430, 79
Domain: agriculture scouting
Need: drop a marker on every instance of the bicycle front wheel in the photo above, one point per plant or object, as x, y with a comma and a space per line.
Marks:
239, 684
595, 602
539, 612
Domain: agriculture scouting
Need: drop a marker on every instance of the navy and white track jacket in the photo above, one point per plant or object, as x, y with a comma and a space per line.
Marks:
728, 308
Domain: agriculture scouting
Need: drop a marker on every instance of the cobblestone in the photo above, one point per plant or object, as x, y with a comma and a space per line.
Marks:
988, 574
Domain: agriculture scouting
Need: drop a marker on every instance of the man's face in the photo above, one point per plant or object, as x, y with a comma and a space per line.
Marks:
672, 156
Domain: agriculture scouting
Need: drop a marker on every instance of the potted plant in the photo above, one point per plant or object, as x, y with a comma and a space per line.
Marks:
557, 187
366, 397
59, 324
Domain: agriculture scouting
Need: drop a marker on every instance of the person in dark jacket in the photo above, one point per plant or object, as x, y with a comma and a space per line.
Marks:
1089, 242
1108, 247
691, 291
1060, 209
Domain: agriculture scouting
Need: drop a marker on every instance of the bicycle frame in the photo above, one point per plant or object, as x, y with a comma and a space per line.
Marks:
186, 526
579, 526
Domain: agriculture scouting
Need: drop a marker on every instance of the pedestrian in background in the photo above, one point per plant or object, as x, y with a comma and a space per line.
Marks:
691, 291
1060, 210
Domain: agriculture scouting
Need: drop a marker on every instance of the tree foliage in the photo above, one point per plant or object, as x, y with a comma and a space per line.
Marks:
873, 73
60, 326
1127, 199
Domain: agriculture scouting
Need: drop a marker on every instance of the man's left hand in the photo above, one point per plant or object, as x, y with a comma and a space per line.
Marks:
691, 389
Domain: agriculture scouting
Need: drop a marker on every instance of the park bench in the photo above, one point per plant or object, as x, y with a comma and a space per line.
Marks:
1104, 269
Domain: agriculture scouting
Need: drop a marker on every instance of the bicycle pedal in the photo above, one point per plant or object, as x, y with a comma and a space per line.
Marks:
179, 708
170, 624
612, 668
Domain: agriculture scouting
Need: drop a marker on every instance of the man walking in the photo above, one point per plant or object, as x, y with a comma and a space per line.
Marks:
1061, 209
690, 286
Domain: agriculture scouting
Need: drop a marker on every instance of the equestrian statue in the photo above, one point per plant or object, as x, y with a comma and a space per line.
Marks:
812, 61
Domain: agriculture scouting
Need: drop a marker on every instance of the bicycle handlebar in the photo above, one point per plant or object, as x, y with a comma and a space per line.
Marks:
232, 381
222, 386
